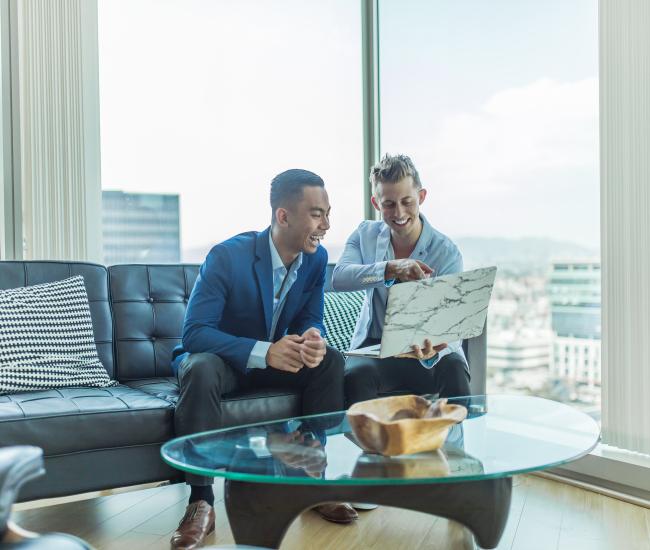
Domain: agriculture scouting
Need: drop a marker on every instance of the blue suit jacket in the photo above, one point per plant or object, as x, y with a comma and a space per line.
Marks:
231, 305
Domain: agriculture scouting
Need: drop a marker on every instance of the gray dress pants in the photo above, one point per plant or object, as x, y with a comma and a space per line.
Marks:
204, 378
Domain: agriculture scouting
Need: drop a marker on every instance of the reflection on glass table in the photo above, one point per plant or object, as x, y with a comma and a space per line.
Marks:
505, 434
290, 465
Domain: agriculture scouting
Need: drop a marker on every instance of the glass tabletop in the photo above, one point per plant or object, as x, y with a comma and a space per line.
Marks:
501, 436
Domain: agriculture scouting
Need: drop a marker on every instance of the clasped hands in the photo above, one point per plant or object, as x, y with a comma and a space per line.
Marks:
293, 352
296, 451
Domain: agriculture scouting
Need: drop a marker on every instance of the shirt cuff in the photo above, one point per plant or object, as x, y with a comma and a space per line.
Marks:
373, 275
319, 329
257, 358
430, 363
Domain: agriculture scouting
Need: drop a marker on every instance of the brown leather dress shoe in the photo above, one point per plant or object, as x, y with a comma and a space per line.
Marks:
197, 523
337, 512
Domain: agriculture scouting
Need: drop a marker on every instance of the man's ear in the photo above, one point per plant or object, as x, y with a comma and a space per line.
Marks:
282, 217
374, 202
422, 193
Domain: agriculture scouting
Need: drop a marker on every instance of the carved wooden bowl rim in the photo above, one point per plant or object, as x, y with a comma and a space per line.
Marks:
451, 413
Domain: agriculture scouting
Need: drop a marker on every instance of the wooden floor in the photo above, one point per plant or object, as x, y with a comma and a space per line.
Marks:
544, 515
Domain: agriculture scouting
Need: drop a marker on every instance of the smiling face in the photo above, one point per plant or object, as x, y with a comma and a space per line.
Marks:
306, 221
399, 204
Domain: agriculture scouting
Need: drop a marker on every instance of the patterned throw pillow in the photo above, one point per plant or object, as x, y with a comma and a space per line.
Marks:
341, 313
46, 338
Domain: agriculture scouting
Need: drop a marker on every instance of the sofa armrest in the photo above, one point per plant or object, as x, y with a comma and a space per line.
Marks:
18, 464
476, 353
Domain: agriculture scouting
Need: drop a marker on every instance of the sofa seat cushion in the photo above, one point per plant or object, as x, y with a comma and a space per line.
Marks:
71, 420
241, 407
162, 387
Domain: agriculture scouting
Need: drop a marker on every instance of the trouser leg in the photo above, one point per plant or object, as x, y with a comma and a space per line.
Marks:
323, 389
203, 378
362, 379
366, 378
322, 386
447, 378
451, 378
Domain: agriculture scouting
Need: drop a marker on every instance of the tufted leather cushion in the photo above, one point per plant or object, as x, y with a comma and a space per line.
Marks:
81, 419
149, 304
16, 274
241, 407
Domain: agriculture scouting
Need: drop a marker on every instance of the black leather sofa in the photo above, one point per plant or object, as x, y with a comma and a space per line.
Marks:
99, 438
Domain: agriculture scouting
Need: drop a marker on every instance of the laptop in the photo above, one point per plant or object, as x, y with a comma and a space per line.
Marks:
443, 309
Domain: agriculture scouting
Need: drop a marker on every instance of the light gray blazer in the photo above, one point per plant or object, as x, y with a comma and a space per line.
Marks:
362, 266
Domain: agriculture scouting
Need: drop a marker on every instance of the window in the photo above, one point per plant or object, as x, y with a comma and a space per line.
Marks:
497, 104
204, 101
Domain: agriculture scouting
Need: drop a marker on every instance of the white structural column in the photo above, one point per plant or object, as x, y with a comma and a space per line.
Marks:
625, 225
59, 128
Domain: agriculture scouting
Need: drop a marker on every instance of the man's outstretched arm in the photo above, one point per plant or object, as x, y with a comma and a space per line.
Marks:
351, 273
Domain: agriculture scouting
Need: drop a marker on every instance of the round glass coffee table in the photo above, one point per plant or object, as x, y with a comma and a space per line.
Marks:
276, 470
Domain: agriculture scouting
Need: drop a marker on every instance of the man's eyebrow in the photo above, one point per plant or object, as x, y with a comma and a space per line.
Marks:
318, 209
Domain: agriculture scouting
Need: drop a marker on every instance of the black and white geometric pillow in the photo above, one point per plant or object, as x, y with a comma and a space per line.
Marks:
46, 338
340, 317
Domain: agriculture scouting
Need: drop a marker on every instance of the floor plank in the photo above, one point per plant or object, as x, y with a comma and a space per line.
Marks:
541, 517
544, 515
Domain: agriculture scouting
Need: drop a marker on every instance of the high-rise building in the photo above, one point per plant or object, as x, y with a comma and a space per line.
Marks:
574, 290
518, 360
509, 350
140, 227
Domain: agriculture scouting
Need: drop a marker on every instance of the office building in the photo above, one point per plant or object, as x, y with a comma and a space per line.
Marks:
140, 227
574, 290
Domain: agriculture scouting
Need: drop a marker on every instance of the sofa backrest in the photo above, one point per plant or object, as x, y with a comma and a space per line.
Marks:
149, 304
14, 274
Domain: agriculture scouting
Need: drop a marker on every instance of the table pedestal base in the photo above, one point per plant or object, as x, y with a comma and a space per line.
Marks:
261, 513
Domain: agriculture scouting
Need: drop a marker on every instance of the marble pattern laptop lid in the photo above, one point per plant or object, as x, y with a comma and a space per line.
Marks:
442, 309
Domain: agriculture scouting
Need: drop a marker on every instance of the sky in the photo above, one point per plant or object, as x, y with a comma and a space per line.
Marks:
496, 102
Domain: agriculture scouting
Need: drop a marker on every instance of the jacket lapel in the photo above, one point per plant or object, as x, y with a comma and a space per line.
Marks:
383, 240
422, 245
264, 275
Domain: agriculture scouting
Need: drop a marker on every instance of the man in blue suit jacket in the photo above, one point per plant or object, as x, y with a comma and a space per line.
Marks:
255, 319
401, 247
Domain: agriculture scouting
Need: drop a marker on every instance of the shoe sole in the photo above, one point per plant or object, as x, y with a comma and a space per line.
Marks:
363, 506
333, 520
339, 521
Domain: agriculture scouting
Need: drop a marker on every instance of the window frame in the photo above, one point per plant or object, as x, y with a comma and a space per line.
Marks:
603, 464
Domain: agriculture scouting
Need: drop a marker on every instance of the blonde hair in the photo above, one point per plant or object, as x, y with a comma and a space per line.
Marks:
393, 168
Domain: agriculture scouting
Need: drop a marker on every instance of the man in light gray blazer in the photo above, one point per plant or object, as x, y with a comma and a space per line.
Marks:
401, 247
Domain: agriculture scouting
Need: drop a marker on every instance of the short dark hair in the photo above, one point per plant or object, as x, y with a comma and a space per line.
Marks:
393, 168
286, 188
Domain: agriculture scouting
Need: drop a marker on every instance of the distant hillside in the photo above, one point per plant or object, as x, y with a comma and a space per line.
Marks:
519, 256
532, 255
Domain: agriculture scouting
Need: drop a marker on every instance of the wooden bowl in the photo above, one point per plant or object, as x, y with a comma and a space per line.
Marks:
403, 424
